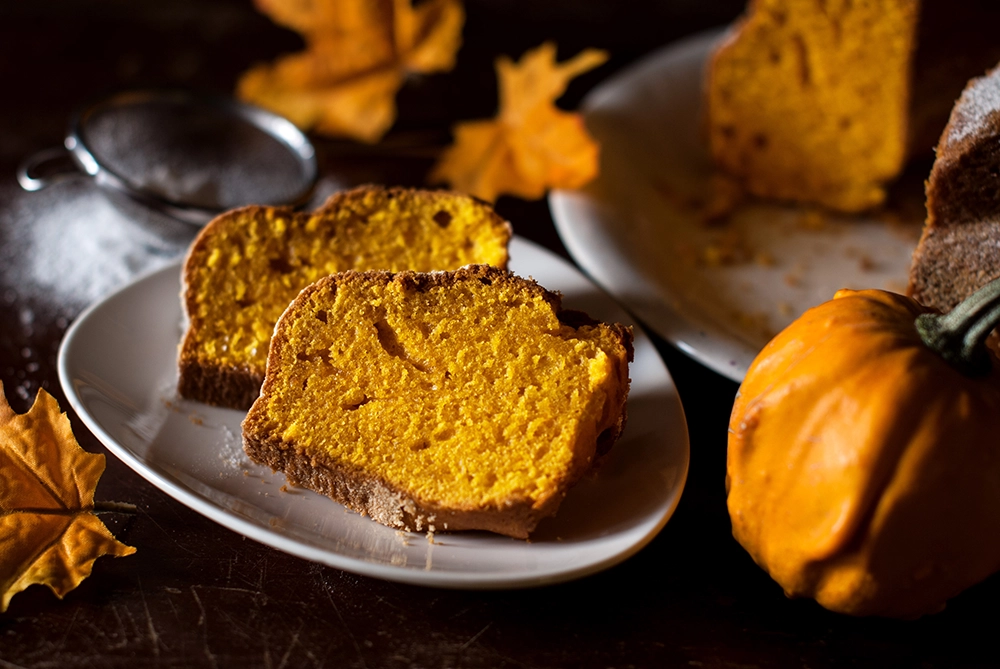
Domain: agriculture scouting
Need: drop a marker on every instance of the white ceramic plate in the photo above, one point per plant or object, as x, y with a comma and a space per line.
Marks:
637, 232
117, 366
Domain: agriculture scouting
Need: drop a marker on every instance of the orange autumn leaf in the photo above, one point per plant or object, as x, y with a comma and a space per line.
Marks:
531, 145
48, 531
358, 54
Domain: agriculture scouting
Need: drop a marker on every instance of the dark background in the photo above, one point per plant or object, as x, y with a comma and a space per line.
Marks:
197, 594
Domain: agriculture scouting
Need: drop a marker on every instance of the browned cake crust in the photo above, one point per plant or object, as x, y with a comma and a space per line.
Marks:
959, 250
369, 495
372, 497
236, 386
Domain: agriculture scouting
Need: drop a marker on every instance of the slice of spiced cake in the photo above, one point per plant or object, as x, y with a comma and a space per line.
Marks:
247, 265
439, 401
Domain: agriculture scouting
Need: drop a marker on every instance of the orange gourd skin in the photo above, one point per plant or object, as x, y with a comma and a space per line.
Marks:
863, 470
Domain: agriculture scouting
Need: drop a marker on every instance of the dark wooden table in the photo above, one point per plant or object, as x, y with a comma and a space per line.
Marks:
197, 594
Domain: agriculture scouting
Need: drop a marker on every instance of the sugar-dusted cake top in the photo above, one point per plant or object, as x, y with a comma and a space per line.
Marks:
972, 113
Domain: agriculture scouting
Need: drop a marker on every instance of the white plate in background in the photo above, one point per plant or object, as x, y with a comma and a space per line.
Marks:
637, 231
117, 365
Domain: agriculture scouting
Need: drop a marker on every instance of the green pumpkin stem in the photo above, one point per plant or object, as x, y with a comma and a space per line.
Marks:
960, 335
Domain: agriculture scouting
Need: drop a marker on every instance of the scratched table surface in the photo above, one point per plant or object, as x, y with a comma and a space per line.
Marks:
199, 595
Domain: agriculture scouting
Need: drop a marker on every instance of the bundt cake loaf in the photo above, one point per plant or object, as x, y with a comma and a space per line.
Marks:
439, 401
808, 101
959, 250
247, 265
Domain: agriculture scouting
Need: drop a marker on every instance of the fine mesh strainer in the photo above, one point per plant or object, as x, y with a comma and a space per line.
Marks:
185, 154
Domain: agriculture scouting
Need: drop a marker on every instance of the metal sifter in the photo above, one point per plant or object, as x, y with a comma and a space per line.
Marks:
188, 155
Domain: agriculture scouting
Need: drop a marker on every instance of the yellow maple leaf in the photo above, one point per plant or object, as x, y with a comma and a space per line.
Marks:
48, 531
358, 54
531, 145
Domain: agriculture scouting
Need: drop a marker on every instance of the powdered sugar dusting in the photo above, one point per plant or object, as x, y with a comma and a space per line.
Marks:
70, 245
231, 451
979, 100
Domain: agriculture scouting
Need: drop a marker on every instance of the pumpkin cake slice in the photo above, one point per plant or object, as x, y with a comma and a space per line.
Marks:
247, 265
959, 249
439, 401
808, 101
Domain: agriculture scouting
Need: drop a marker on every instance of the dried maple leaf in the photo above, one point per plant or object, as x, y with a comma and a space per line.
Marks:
48, 531
531, 145
358, 54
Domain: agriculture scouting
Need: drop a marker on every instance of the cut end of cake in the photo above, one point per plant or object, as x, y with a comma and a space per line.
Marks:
959, 249
451, 400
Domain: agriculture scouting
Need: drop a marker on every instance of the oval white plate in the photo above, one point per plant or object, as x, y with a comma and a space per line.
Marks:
637, 232
117, 365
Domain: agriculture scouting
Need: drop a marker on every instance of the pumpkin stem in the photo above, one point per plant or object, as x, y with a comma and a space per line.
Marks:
960, 335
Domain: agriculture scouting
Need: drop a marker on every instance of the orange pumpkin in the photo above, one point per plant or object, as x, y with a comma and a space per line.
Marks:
864, 456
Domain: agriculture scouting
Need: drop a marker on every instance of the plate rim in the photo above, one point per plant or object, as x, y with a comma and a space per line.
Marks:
179, 492
654, 158
684, 330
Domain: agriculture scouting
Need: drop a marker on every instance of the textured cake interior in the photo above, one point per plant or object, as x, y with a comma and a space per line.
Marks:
245, 269
464, 393
808, 101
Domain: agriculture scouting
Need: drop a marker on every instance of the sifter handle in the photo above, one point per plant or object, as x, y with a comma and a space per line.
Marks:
27, 171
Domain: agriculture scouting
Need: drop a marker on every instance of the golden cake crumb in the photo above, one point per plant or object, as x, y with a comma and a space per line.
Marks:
247, 265
808, 101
